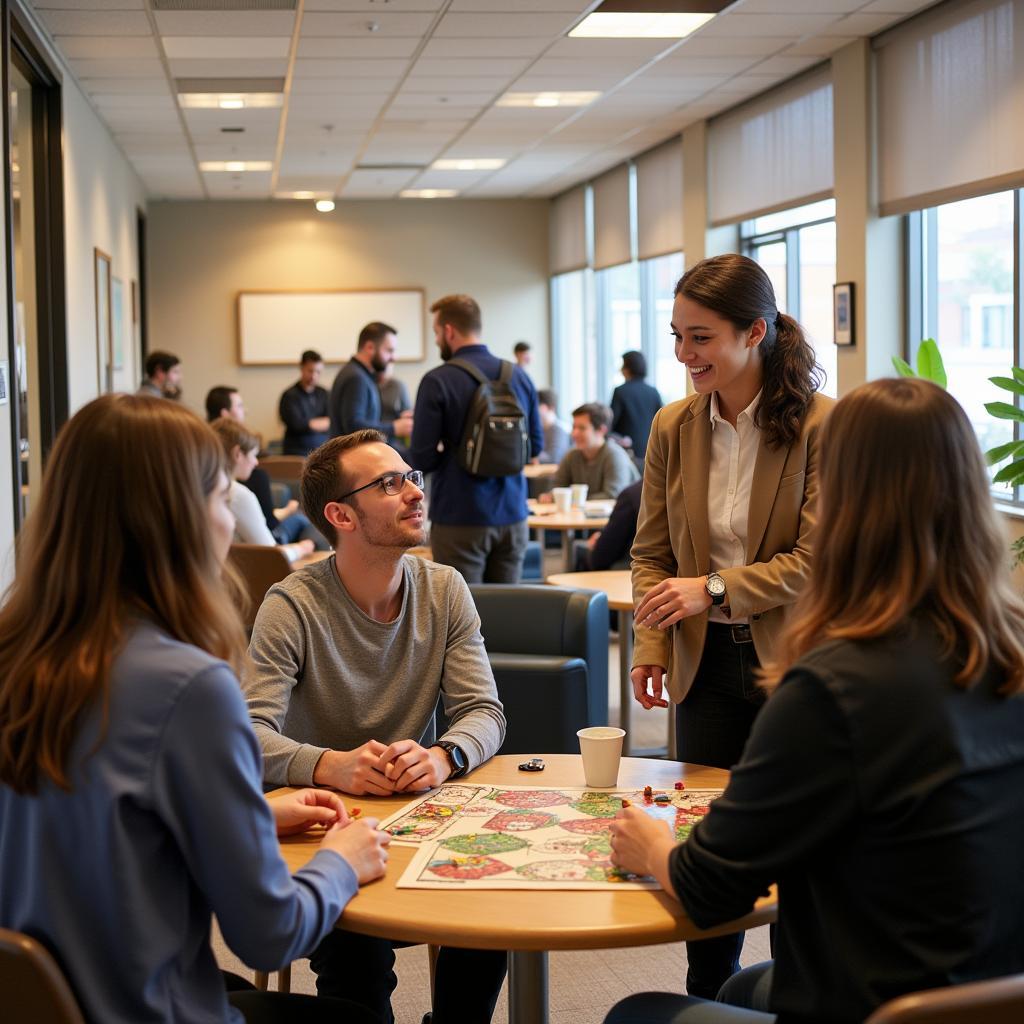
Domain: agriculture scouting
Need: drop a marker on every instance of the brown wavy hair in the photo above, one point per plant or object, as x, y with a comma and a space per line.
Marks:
120, 532
910, 530
739, 290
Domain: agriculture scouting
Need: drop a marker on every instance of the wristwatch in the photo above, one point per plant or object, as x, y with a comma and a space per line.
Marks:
715, 587
456, 758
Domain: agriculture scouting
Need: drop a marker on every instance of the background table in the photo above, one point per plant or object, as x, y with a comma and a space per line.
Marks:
537, 470
567, 523
527, 923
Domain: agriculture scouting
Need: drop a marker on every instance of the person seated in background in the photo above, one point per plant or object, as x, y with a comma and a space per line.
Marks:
242, 447
522, 355
556, 437
304, 409
882, 785
130, 801
602, 465
609, 548
634, 404
163, 376
347, 661
394, 395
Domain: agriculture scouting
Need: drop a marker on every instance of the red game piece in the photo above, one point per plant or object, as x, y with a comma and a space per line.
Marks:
354, 812
680, 785
648, 792
626, 803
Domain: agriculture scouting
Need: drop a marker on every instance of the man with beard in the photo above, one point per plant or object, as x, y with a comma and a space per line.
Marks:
347, 661
163, 376
355, 398
478, 523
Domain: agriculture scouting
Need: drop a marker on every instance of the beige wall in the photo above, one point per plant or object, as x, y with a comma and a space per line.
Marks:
202, 254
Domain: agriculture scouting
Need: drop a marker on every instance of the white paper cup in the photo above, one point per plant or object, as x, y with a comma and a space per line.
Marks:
563, 498
579, 495
601, 747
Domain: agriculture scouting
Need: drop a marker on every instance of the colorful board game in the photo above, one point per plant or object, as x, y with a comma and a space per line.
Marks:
529, 837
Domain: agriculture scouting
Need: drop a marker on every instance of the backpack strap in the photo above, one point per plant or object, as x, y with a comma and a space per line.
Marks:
474, 372
507, 369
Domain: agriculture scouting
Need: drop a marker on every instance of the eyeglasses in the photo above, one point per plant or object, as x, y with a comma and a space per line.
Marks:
390, 483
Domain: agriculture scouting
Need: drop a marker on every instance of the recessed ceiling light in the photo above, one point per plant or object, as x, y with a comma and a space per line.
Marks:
547, 99
235, 165
324, 205
647, 19
468, 165
428, 193
230, 100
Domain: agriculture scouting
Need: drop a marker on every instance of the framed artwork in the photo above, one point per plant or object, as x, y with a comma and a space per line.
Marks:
104, 326
842, 313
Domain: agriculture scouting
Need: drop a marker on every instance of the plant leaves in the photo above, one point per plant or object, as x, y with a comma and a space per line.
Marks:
902, 367
1018, 373
1010, 474
1004, 411
929, 363
1000, 452
1008, 384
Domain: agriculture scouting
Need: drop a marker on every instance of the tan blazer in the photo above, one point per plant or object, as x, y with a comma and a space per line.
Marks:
672, 537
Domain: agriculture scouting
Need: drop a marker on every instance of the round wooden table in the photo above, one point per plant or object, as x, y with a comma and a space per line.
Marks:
543, 516
526, 923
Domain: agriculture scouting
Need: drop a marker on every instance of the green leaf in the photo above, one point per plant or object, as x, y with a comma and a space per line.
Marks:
1008, 384
902, 367
1000, 452
1004, 411
929, 363
1018, 373
1011, 474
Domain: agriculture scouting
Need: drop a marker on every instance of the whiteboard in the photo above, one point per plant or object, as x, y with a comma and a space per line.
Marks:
274, 328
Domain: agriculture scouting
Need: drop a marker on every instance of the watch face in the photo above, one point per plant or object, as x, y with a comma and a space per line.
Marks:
715, 586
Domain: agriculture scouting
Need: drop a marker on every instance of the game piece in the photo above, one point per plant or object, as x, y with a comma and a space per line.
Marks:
680, 785
354, 812
535, 764
661, 798
648, 792
626, 803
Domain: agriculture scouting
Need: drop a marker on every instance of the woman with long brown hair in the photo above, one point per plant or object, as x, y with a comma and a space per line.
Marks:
723, 542
882, 788
130, 801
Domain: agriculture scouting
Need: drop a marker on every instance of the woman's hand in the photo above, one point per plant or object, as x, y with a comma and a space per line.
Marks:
641, 844
297, 812
649, 698
362, 844
670, 601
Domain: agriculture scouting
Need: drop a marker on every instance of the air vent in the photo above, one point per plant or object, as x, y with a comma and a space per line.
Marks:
229, 85
224, 5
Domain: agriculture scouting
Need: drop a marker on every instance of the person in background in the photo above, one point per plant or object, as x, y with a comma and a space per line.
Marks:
130, 779
522, 354
609, 548
304, 408
242, 447
478, 524
394, 395
355, 398
602, 465
882, 787
556, 437
634, 404
163, 376
727, 523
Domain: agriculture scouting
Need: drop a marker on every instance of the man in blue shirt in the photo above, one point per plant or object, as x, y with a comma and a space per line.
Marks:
478, 524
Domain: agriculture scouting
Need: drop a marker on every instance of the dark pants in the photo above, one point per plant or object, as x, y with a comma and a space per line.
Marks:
286, 1008
361, 969
483, 554
712, 726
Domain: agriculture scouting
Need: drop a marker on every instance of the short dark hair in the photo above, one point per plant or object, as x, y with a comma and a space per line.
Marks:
218, 400
461, 311
311, 356
324, 478
548, 397
635, 363
598, 414
520, 346
374, 332
160, 361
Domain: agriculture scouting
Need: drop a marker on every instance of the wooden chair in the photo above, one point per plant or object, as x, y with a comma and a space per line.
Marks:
286, 468
996, 1001
260, 568
32, 987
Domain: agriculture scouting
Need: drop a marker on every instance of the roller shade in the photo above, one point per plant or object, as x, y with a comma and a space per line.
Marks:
659, 200
613, 236
774, 152
950, 99
568, 240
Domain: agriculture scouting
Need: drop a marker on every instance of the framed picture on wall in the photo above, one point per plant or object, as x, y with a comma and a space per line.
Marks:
842, 313
104, 327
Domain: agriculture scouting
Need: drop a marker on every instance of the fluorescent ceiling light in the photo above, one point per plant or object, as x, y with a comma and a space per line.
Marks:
306, 194
650, 24
547, 99
235, 165
428, 193
324, 205
230, 100
468, 165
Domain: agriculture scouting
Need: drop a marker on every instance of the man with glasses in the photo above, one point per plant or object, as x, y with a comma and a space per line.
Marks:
348, 659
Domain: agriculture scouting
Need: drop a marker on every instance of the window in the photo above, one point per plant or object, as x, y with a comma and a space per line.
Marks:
618, 323
797, 249
575, 366
658, 278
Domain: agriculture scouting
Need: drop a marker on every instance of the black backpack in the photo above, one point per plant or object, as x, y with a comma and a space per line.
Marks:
496, 437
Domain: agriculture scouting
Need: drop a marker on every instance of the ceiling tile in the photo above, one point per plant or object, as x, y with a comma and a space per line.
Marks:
327, 107
392, 153
307, 183
800, 6
212, 120
373, 6
571, 67
787, 64
96, 23
622, 49
236, 151
188, 67
713, 46
316, 163
150, 86
219, 47
487, 47
434, 85
89, 5
469, 66
341, 87
864, 24
509, 24
106, 47
312, 67
818, 46
225, 23
332, 46
134, 101
128, 68
440, 103
761, 25
521, 6
357, 26
458, 180
896, 6
680, 64
146, 144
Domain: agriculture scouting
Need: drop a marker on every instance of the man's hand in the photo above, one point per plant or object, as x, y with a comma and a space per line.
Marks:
671, 600
649, 698
362, 845
320, 424
641, 844
592, 540
299, 811
403, 425
408, 766
546, 498
354, 771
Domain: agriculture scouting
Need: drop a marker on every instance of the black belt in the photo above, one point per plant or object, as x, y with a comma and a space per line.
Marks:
739, 634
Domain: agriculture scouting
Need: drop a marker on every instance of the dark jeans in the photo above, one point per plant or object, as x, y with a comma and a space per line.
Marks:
483, 554
286, 1008
712, 726
298, 527
361, 968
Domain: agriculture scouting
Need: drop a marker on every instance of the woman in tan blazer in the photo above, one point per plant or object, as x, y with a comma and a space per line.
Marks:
727, 517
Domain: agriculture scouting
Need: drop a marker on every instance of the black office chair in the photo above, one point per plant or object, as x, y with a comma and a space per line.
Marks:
548, 648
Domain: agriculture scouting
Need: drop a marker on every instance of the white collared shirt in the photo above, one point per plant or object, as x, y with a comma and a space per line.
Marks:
731, 475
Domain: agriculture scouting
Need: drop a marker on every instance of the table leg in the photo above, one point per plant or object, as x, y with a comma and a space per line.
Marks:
625, 686
568, 536
527, 987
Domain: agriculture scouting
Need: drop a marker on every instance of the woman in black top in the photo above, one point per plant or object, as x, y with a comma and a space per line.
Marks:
882, 787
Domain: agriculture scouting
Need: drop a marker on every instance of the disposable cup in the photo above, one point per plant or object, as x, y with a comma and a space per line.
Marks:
579, 495
563, 498
601, 747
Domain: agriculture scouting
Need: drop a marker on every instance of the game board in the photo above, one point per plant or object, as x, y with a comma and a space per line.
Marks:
528, 837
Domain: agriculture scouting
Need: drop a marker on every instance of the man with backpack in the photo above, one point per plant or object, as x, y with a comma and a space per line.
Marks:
476, 424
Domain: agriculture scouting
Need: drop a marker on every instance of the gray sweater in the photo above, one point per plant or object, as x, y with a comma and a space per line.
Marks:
326, 676
610, 471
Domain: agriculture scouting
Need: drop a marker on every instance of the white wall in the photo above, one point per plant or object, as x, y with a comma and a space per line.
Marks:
202, 254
